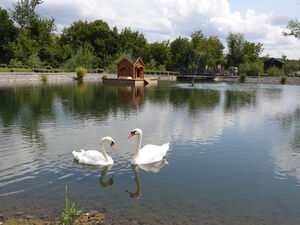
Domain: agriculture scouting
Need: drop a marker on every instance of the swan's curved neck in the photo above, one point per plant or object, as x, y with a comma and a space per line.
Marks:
102, 149
138, 147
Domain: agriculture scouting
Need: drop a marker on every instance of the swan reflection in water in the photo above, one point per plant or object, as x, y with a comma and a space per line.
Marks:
153, 167
102, 183
110, 181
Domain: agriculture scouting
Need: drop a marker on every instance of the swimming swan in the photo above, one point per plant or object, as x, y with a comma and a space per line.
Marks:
149, 153
93, 157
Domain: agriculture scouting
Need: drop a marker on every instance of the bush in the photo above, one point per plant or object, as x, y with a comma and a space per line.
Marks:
80, 71
283, 80
243, 78
274, 71
44, 78
34, 61
104, 77
84, 57
251, 69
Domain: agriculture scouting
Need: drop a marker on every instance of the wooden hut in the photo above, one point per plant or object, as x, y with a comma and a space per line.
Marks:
130, 72
131, 68
273, 63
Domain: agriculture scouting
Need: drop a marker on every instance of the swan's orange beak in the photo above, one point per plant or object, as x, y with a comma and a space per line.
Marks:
112, 145
131, 134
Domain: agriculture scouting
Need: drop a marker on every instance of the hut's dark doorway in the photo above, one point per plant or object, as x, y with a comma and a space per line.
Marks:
138, 72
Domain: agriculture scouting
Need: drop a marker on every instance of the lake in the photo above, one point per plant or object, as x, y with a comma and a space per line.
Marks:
234, 153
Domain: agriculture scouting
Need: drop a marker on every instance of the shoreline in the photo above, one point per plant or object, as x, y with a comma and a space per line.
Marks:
12, 79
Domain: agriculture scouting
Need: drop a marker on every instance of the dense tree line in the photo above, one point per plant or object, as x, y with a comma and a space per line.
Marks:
27, 39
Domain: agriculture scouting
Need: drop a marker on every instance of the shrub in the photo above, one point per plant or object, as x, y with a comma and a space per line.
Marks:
104, 77
34, 61
85, 57
15, 63
283, 80
274, 71
44, 78
243, 78
251, 69
80, 71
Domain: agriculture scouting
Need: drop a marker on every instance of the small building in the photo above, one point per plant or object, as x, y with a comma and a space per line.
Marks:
131, 71
273, 63
131, 68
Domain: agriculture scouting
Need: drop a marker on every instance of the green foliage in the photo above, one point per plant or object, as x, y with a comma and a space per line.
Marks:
251, 52
134, 43
23, 12
160, 54
15, 63
84, 57
274, 71
283, 80
80, 71
104, 77
70, 214
7, 34
242, 51
243, 78
235, 43
291, 66
113, 66
4, 70
151, 65
180, 53
103, 42
251, 69
34, 61
294, 29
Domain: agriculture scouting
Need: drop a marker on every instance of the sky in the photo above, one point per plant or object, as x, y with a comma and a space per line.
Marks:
259, 20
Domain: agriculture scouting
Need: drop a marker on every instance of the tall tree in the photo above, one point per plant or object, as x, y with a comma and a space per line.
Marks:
23, 12
7, 34
235, 43
103, 41
160, 52
197, 53
134, 43
294, 29
251, 52
181, 52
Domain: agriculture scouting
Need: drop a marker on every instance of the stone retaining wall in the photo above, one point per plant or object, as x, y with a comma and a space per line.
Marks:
263, 80
36, 77
11, 78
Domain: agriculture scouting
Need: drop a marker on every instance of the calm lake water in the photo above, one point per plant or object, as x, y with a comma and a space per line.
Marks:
234, 152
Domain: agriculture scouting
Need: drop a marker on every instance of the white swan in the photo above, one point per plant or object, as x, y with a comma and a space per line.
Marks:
93, 157
149, 153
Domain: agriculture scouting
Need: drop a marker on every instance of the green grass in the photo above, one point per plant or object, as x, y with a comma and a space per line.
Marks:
70, 214
17, 70
4, 70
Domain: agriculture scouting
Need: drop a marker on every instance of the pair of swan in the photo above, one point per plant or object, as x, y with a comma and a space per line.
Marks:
148, 154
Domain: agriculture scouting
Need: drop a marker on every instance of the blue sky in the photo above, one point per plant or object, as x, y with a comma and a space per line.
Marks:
259, 20
285, 8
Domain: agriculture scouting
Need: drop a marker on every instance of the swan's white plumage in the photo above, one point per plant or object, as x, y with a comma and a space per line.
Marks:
149, 153
94, 157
